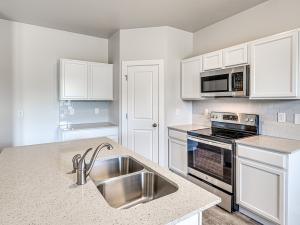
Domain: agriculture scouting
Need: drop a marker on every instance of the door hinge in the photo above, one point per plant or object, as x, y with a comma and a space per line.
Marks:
126, 77
126, 116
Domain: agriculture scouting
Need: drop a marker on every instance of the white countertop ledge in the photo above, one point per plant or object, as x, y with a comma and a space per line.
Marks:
187, 127
85, 126
276, 144
35, 189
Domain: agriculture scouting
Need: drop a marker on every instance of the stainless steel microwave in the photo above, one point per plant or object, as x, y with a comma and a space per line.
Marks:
231, 82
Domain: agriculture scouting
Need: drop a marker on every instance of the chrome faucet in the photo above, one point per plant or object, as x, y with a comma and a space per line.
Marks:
82, 168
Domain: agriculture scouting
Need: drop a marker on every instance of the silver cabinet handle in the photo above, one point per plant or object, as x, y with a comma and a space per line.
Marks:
212, 143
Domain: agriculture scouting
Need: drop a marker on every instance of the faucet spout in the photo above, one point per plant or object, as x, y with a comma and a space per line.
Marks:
83, 169
95, 154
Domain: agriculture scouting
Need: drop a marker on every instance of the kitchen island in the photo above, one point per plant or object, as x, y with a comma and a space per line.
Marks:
36, 189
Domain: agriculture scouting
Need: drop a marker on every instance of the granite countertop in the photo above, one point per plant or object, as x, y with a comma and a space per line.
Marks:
84, 126
35, 189
188, 127
276, 144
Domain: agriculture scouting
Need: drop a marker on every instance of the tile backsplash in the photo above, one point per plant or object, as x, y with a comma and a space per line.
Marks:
267, 110
78, 112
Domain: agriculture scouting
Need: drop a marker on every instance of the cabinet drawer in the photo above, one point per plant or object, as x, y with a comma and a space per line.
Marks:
180, 135
263, 156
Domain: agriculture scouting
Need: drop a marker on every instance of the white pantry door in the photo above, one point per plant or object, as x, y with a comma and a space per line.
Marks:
143, 88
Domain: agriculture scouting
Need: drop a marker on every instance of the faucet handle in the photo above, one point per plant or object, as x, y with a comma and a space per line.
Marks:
75, 163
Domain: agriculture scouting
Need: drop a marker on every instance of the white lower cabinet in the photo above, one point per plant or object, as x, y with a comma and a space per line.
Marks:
268, 184
261, 189
178, 152
195, 219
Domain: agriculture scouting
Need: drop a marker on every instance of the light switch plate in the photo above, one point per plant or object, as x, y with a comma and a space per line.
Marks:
97, 111
281, 117
71, 111
297, 118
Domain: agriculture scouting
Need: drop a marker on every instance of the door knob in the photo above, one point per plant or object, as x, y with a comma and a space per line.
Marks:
154, 125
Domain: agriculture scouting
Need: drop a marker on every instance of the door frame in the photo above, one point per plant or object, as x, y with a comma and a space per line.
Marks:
124, 102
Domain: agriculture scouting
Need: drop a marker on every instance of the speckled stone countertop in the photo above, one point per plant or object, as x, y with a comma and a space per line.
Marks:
35, 189
276, 144
187, 127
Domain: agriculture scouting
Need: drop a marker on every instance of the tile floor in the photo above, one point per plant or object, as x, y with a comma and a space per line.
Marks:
218, 216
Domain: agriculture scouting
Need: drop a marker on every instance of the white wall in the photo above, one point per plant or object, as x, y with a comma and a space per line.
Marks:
6, 85
114, 57
34, 67
268, 18
171, 45
273, 16
179, 46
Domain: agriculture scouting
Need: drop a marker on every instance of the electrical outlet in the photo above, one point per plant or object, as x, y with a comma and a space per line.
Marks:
297, 118
96, 111
71, 111
20, 114
281, 117
206, 112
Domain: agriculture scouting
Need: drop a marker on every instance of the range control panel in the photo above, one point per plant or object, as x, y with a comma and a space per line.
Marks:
239, 118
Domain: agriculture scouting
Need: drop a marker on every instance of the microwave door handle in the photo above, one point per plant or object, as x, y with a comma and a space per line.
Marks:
230, 83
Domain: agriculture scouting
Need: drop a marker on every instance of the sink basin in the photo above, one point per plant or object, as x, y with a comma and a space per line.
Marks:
105, 169
133, 189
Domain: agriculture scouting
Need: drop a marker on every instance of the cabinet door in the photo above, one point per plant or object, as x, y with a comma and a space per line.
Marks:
260, 188
101, 81
274, 66
193, 220
178, 156
236, 55
73, 80
212, 60
190, 78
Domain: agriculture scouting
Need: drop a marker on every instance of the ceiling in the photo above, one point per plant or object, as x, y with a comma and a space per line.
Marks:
104, 17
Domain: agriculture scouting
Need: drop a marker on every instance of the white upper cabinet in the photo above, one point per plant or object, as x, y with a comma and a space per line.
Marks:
213, 60
190, 78
80, 80
101, 81
274, 67
73, 79
236, 55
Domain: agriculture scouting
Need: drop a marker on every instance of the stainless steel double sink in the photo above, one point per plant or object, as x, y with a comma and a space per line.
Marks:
124, 182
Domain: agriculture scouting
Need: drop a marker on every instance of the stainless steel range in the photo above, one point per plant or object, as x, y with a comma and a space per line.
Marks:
211, 153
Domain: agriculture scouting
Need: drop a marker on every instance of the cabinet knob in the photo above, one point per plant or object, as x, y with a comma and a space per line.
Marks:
154, 125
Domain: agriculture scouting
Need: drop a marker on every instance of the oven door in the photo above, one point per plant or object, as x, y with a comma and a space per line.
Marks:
215, 85
211, 161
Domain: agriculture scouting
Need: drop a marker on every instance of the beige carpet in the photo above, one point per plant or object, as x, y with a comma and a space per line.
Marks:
218, 216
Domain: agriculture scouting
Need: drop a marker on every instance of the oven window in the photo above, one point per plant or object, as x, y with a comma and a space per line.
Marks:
211, 160
218, 83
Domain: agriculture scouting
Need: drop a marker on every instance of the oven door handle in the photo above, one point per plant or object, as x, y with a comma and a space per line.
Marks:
212, 143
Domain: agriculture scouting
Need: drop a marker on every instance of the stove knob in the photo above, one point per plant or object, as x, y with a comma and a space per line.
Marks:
252, 120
